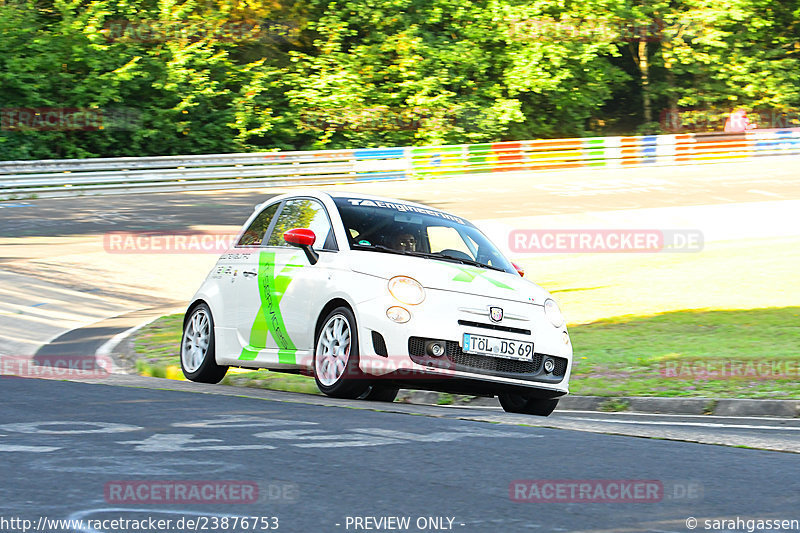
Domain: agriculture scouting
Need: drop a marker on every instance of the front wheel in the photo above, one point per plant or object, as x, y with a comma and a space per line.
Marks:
519, 403
336, 369
380, 393
197, 348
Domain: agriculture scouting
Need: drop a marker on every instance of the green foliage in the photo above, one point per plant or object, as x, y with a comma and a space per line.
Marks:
194, 76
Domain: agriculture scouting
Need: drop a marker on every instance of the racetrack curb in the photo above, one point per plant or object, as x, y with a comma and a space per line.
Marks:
630, 404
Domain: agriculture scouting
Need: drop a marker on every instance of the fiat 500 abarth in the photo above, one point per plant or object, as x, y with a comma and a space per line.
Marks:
371, 294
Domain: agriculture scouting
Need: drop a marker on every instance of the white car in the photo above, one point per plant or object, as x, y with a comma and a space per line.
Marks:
371, 294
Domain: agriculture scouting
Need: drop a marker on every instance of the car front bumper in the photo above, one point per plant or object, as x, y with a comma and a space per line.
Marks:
399, 353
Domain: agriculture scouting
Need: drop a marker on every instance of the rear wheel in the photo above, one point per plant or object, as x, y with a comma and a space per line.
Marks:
197, 347
336, 369
520, 403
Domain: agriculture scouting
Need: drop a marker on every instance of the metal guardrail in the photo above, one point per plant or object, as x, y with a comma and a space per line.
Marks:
71, 177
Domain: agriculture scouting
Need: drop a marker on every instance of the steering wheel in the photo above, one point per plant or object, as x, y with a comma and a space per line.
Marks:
455, 254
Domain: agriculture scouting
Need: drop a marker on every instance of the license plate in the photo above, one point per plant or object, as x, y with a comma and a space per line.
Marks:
494, 347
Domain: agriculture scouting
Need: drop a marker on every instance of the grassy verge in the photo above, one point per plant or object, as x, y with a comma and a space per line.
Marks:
751, 353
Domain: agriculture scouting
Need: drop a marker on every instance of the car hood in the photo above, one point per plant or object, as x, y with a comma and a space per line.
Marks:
449, 276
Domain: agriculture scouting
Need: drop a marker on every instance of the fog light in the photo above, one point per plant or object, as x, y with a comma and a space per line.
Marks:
549, 365
565, 337
398, 314
435, 349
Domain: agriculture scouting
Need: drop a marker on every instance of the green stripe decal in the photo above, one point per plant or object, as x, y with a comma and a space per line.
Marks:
467, 275
271, 289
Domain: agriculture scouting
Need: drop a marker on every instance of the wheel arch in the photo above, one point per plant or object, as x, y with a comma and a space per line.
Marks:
327, 308
192, 307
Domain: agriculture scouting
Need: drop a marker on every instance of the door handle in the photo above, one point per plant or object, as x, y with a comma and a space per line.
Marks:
246, 273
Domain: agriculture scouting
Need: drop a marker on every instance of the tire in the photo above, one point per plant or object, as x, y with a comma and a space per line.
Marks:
519, 403
378, 393
336, 369
197, 347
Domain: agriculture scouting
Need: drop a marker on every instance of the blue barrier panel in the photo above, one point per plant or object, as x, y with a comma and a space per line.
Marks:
379, 153
374, 176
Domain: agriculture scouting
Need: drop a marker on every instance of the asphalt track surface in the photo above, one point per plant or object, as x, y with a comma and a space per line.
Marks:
474, 197
318, 462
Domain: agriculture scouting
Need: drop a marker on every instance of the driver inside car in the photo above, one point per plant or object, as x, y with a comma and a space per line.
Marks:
404, 242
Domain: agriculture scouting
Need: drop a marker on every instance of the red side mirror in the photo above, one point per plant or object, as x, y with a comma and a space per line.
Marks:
300, 237
519, 269
303, 238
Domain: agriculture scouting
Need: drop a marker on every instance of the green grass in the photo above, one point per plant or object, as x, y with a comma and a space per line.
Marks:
658, 355
613, 405
751, 353
158, 342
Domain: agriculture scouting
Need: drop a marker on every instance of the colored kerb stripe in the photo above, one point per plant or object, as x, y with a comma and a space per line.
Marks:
479, 148
271, 289
538, 145
510, 147
380, 153
348, 154
511, 157
374, 176
479, 159
552, 154
436, 150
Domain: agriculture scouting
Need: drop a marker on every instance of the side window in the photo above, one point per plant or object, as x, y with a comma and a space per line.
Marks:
254, 233
304, 214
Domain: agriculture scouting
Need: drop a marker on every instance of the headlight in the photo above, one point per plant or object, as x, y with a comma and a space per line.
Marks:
553, 313
406, 290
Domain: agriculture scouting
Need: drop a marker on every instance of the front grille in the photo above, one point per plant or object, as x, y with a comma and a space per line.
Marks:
456, 359
416, 347
495, 327
561, 366
497, 364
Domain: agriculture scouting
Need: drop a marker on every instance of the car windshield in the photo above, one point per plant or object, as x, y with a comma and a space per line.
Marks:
394, 227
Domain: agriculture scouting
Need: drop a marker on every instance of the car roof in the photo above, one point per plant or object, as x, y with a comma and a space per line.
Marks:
317, 193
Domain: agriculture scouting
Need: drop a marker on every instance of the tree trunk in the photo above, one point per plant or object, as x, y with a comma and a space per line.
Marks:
644, 69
